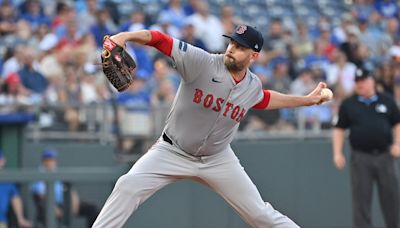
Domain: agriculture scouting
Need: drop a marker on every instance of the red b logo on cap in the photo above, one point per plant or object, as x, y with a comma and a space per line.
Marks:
241, 29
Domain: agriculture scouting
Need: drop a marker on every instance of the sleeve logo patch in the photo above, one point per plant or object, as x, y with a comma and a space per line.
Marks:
183, 46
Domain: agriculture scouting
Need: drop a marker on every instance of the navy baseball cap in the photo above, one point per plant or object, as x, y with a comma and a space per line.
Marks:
362, 74
49, 154
248, 37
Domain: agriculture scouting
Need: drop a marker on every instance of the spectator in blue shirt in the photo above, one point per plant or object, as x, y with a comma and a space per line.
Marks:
137, 21
136, 97
134, 107
30, 78
387, 8
34, 14
9, 195
102, 27
142, 56
176, 11
318, 59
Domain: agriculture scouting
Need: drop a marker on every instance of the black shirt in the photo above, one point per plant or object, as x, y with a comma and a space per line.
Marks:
370, 124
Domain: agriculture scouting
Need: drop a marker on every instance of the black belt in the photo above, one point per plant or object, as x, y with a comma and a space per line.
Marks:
372, 151
166, 138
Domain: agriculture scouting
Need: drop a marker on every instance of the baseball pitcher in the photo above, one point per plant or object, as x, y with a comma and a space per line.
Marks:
215, 93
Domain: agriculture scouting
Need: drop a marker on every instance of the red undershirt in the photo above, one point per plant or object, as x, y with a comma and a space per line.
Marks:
237, 81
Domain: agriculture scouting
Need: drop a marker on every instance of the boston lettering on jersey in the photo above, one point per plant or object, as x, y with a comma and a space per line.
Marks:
235, 112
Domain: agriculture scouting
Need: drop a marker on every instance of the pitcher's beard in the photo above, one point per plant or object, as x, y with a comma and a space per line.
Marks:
232, 65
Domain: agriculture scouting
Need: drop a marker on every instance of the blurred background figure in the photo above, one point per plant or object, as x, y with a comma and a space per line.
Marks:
207, 27
315, 117
103, 26
164, 24
8, 18
10, 198
189, 36
176, 12
32, 11
31, 79
133, 108
302, 42
13, 61
87, 16
340, 73
49, 163
229, 19
137, 21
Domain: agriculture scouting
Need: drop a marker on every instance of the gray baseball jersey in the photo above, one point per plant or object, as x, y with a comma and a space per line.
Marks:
209, 105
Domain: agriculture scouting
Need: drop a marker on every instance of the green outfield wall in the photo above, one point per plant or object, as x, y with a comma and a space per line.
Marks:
296, 176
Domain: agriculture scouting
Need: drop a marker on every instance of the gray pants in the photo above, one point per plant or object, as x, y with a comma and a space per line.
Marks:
164, 164
367, 169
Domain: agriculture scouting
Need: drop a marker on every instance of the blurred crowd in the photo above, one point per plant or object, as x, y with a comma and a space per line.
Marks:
50, 50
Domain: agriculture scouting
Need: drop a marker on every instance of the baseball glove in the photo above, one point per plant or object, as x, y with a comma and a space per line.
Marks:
117, 64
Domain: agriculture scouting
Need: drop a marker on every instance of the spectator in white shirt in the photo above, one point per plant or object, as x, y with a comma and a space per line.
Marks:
208, 27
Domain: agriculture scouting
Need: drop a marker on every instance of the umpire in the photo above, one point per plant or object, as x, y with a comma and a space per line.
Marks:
371, 118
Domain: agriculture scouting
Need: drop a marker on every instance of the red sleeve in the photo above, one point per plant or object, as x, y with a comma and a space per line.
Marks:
161, 41
263, 104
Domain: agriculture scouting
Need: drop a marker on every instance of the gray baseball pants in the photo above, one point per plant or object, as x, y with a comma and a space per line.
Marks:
164, 164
